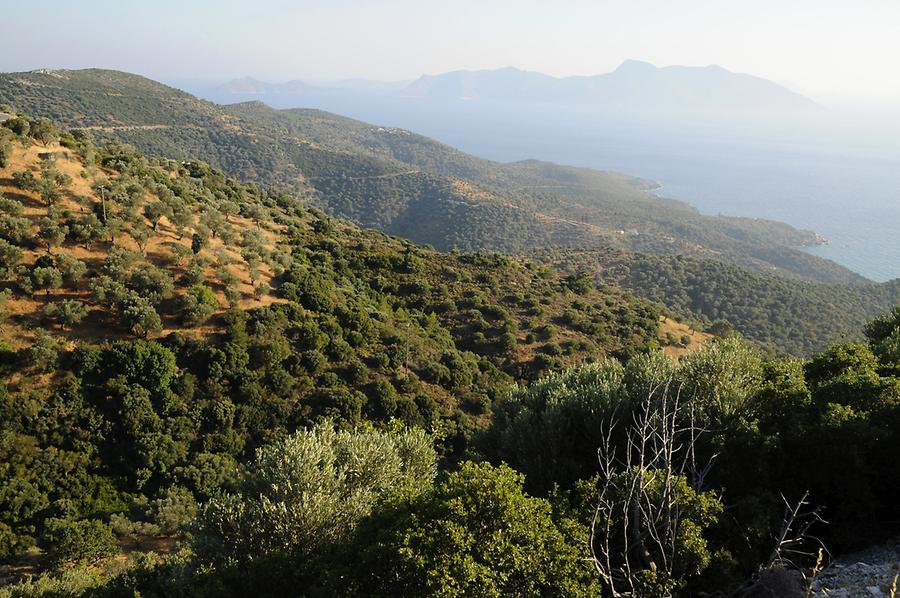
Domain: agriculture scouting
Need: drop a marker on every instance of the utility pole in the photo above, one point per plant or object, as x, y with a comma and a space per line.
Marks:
406, 358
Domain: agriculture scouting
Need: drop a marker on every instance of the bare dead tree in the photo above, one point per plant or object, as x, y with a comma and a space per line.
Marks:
793, 544
795, 540
639, 513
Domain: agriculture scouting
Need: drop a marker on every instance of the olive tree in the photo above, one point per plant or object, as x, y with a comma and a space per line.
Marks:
15, 229
49, 184
68, 313
44, 130
71, 268
5, 296
139, 315
52, 233
154, 211
197, 305
82, 541
24, 180
88, 229
5, 147
550, 430
44, 352
308, 491
10, 256
11, 206
721, 379
46, 278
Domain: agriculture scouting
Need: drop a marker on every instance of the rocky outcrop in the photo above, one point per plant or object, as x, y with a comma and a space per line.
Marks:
874, 573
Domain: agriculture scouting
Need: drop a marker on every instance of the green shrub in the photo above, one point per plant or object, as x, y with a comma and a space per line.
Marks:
198, 305
310, 490
475, 533
83, 541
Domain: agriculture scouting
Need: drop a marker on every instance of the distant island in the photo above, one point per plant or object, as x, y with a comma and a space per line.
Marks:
635, 85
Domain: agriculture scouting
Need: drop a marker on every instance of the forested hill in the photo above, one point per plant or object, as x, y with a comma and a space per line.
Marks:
405, 184
799, 317
210, 390
161, 321
102, 243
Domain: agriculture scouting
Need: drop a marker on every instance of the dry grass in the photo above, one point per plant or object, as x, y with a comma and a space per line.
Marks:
677, 329
817, 568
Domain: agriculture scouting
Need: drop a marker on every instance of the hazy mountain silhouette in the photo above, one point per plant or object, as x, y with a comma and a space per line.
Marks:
634, 85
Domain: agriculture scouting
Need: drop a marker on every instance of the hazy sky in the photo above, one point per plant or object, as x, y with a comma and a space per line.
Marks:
817, 46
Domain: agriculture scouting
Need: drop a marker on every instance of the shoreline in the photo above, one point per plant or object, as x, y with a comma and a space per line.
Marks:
818, 239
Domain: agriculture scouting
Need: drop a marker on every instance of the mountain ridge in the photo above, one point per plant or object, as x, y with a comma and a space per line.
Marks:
634, 84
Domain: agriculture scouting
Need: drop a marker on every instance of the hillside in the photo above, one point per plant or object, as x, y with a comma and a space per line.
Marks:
211, 390
799, 317
635, 85
201, 318
405, 184
101, 243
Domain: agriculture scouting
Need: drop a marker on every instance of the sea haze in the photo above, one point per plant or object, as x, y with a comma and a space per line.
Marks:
837, 173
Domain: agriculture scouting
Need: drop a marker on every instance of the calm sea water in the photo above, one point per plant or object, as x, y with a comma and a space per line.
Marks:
837, 174
853, 201
852, 197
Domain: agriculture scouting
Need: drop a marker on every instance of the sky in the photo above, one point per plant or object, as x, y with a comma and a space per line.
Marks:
833, 47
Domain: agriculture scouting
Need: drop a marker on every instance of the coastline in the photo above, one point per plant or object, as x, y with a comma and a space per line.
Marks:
817, 239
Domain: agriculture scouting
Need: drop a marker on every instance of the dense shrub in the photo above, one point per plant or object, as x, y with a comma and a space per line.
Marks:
474, 533
308, 492
83, 541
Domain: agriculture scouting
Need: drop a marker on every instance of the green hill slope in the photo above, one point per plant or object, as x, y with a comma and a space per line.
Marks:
800, 317
160, 321
406, 184
112, 231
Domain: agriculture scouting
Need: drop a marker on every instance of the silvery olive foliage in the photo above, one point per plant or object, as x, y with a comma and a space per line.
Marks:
311, 489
